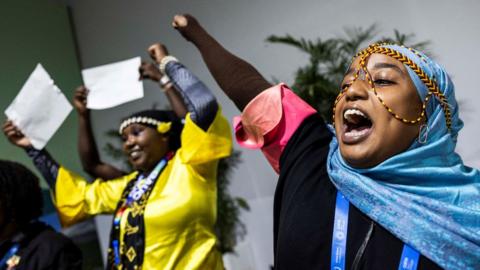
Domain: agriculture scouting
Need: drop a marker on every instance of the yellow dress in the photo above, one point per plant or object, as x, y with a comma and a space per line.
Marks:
181, 211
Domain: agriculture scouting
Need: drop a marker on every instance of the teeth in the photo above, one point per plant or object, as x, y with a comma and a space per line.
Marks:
348, 115
355, 133
351, 112
135, 154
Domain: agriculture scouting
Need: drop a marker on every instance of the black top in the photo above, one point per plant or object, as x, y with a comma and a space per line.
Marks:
42, 248
304, 208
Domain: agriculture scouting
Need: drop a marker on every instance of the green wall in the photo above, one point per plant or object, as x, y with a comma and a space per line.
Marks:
39, 31
34, 31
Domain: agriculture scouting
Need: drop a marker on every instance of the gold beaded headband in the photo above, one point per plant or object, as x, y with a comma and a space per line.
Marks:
429, 83
162, 127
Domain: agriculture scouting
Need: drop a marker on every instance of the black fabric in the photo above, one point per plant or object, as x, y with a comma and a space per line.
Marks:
136, 241
200, 101
42, 248
47, 166
304, 208
134, 233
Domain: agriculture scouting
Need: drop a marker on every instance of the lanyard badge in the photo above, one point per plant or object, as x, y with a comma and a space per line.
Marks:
10, 260
408, 261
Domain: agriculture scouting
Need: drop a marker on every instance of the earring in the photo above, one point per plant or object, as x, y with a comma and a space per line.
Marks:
423, 134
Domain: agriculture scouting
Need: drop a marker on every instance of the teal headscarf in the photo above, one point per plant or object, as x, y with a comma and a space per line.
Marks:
425, 196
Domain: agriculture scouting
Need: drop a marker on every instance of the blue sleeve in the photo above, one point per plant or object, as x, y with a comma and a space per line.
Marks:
200, 101
47, 166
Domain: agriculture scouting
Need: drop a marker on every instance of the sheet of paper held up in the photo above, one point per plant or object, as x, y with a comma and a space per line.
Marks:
113, 84
39, 108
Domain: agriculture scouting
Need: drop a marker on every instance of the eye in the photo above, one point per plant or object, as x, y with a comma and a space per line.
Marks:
136, 130
346, 85
383, 82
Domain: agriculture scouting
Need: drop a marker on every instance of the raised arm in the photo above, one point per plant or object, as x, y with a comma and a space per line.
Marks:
270, 114
47, 166
87, 148
151, 71
75, 198
198, 99
237, 78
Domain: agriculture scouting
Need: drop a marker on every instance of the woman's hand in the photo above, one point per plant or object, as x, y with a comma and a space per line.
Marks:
188, 26
149, 71
181, 21
15, 136
157, 52
80, 100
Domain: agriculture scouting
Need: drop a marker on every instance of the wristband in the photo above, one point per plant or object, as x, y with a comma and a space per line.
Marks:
164, 80
165, 83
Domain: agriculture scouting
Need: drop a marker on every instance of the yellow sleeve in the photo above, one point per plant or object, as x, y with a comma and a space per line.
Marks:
76, 199
200, 146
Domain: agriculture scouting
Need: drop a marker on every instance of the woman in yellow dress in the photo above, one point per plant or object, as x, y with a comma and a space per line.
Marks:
165, 210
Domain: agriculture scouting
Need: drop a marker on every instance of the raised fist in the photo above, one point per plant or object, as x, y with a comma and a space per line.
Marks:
157, 52
149, 71
80, 100
188, 26
180, 21
15, 136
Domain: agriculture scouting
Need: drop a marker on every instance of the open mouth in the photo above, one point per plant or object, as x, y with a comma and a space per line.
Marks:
356, 125
134, 153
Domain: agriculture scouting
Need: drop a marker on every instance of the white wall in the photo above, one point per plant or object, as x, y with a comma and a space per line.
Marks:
112, 30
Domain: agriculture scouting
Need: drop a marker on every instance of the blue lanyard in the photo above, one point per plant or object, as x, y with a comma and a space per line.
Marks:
8, 255
408, 261
141, 186
340, 229
135, 194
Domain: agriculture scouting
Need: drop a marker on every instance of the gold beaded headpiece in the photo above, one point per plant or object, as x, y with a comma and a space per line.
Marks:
431, 84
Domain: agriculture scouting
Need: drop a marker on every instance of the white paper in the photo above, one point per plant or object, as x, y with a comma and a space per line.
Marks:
39, 108
113, 84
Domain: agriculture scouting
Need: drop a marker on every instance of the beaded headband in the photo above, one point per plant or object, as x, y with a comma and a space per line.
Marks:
162, 127
429, 83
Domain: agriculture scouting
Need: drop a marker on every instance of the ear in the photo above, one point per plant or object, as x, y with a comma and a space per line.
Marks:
165, 137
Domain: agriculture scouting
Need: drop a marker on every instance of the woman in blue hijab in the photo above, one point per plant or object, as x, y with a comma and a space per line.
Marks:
382, 188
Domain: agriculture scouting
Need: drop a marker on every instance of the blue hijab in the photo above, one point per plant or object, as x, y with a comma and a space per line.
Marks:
425, 196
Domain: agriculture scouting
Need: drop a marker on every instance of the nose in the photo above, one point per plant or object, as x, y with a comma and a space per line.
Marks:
128, 143
357, 90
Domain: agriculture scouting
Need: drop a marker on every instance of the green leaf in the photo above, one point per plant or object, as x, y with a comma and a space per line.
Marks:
242, 203
318, 82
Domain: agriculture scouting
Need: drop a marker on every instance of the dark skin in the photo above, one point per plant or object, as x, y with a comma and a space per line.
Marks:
150, 71
157, 52
87, 148
237, 78
144, 146
388, 136
15, 136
